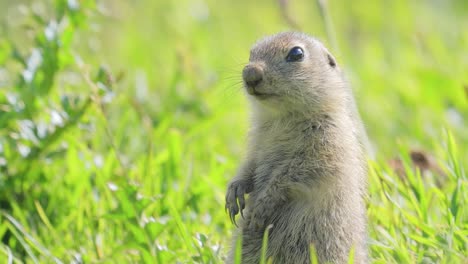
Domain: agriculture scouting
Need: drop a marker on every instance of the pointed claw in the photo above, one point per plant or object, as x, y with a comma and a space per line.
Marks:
233, 217
235, 200
240, 198
242, 203
241, 209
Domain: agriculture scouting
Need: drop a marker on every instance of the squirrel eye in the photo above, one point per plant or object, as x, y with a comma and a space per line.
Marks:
295, 54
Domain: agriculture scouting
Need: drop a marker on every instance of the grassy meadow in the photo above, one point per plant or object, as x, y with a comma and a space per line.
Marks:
121, 123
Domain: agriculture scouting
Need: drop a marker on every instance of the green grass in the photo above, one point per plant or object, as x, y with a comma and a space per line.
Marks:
120, 147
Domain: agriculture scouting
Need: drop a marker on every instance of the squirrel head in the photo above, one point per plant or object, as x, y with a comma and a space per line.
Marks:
292, 72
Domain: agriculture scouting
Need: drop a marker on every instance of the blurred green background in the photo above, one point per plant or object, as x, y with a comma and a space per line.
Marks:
120, 145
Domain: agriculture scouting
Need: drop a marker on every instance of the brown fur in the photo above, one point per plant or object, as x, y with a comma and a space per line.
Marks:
305, 168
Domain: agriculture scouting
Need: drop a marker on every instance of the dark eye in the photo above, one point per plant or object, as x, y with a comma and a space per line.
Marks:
295, 54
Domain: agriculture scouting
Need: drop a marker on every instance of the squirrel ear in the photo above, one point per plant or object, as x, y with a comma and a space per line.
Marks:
331, 60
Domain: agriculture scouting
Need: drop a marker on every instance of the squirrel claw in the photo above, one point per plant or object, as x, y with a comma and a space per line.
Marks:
235, 201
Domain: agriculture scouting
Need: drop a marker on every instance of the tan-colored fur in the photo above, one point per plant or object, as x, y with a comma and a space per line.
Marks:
305, 169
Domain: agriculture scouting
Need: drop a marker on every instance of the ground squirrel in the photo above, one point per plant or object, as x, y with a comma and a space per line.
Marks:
305, 168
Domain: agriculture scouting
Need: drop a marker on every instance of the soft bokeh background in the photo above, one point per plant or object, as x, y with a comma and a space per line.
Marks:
126, 153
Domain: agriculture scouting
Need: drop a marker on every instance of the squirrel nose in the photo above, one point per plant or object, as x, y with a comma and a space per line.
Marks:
252, 75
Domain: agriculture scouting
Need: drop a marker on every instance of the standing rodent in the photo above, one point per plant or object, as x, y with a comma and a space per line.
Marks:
305, 168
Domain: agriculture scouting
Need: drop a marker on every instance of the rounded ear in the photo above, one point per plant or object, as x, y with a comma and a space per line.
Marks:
331, 60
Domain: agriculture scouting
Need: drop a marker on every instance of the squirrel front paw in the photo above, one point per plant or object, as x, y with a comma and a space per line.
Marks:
235, 201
